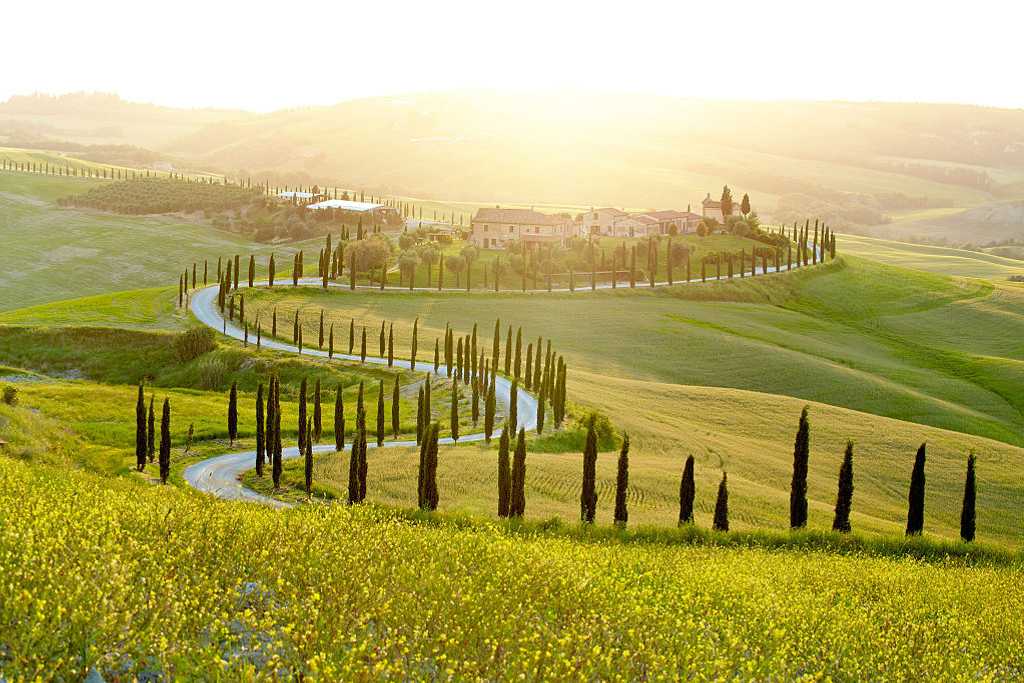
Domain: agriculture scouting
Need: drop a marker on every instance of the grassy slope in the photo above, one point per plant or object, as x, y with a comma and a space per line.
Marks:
858, 334
944, 260
51, 253
342, 593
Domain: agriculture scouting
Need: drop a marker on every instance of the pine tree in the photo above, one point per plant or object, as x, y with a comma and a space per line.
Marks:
798, 487
915, 508
140, 430
687, 492
967, 512
380, 414
302, 415
517, 493
504, 475
844, 498
339, 420
622, 484
151, 433
721, 520
165, 442
260, 435
233, 413
318, 424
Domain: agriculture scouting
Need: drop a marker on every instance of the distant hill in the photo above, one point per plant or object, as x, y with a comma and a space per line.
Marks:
853, 164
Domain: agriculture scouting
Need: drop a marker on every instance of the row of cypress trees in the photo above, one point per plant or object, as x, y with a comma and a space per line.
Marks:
145, 435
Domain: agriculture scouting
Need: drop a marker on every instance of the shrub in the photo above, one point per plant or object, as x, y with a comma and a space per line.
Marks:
10, 395
193, 343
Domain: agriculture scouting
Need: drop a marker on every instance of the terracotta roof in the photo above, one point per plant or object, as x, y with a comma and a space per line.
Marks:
670, 215
518, 216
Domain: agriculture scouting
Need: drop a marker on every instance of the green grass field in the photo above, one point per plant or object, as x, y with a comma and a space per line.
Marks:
944, 260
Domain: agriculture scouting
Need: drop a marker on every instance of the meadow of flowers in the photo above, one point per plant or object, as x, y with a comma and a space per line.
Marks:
133, 580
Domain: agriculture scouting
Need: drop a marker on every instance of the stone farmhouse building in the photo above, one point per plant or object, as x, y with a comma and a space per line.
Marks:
495, 228
610, 222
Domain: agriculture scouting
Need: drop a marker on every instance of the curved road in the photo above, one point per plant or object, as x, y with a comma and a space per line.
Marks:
220, 475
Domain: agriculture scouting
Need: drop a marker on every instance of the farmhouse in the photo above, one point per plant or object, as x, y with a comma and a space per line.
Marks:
290, 195
494, 228
713, 209
617, 223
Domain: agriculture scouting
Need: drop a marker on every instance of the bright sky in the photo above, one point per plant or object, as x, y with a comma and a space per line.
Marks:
264, 57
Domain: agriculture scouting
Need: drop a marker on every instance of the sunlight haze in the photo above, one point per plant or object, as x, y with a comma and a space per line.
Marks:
263, 58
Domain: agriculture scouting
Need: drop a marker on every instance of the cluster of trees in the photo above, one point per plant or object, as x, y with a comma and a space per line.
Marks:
148, 195
145, 435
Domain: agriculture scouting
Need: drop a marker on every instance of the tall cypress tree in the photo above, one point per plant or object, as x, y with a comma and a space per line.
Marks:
395, 410
252, 269
454, 419
339, 420
513, 405
351, 335
504, 475
844, 498
233, 413
798, 487
519, 351
721, 520
268, 437
151, 433
419, 416
687, 492
588, 492
260, 427
277, 465
421, 480
362, 347
320, 338
415, 343
622, 484
330, 342
380, 414
915, 508
508, 351
490, 407
165, 442
318, 424
391, 345
517, 494
302, 415
140, 431
381, 341
496, 344
309, 459
528, 376
967, 512
541, 402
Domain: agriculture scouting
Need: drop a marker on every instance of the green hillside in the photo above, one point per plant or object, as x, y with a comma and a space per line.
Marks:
943, 260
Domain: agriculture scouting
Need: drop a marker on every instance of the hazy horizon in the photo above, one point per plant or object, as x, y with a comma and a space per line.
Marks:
209, 56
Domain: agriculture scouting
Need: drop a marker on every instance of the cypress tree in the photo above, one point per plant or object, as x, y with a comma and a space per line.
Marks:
967, 512
419, 416
260, 427
277, 466
428, 476
844, 498
437, 358
380, 413
513, 405
140, 431
490, 406
496, 344
252, 269
362, 348
318, 425
268, 437
151, 433
415, 343
541, 401
339, 420
330, 342
233, 413
687, 492
721, 520
302, 415
351, 335
798, 487
320, 338
421, 472
915, 508
528, 378
454, 419
519, 351
273, 323
381, 341
622, 484
165, 442
508, 351
309, 460
271, 270
588, 492
504, 475
395, 410
536, 366
517, 494
237, 269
